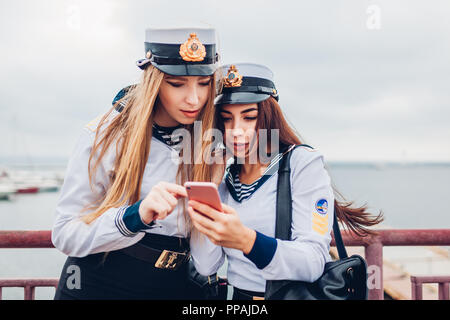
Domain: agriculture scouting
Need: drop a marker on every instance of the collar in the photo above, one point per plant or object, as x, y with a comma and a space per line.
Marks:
240, 191
167, 135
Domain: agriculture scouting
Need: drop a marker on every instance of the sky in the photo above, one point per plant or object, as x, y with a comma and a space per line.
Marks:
359, 80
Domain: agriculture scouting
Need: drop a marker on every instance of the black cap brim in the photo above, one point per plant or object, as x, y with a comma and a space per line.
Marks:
187, 69
240, 98
181, 69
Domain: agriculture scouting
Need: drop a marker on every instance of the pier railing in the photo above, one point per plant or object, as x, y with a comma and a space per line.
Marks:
373, 247
416, 286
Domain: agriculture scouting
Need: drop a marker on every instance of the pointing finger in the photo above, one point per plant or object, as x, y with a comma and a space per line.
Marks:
175, 189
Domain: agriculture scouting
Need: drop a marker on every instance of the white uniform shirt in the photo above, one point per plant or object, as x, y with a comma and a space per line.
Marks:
305, 256
108, 232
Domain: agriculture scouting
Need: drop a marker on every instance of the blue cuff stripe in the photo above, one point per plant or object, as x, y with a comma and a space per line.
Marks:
132, 218
120, 225
263, 250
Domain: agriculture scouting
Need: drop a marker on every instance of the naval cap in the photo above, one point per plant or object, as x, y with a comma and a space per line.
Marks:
181, 51
246, 83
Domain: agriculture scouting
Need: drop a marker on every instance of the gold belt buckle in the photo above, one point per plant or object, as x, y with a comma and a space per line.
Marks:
171, 260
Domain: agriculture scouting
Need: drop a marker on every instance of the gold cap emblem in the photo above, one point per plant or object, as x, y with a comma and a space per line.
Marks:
233, 78
192, 49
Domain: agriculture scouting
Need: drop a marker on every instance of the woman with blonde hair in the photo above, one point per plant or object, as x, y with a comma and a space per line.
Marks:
119, 218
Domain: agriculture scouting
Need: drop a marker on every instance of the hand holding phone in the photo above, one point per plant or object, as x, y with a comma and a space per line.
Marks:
223, 228
204, 192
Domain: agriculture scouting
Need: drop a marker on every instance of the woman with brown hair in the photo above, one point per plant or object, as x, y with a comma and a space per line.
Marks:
119, 218
245, 231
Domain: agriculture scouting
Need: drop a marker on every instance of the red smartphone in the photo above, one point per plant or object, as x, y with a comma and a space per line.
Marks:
204, 192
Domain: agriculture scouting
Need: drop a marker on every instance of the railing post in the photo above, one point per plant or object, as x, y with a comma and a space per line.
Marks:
416, 289
374, 259
29, 292
443, 291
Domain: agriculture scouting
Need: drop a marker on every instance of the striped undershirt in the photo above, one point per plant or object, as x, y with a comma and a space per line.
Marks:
167, 135
241, 191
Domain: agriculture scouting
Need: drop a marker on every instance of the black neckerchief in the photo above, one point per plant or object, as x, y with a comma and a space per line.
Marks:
167, 135
163, 134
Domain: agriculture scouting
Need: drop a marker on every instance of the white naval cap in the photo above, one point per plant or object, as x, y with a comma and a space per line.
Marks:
178, 35
181, 51
246, 83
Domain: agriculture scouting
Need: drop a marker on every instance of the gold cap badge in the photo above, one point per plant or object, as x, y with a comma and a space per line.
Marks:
233, 78
192, 49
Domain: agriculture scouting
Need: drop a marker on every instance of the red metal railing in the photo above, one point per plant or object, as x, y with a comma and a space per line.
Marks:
29, 285
26, 239
373, 249
416, 286
394, 237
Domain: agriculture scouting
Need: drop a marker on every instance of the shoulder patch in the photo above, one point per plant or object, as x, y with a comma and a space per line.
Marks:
320, 216
322, 206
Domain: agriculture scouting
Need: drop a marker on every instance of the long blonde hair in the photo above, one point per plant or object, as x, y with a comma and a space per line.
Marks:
131, 130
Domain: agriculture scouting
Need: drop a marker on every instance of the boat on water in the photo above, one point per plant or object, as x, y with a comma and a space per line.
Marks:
37, 185
48, 185
27, 189
6, 190
23, 182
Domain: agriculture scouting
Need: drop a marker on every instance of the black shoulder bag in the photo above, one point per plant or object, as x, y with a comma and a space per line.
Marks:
343, 279
207, 288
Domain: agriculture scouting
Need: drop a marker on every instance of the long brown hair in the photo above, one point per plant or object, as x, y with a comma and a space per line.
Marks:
270, 116
131, 133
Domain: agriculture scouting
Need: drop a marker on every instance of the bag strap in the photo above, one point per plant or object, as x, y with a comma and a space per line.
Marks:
284, 205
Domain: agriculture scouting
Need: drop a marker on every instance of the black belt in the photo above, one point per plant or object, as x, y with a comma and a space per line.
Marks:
240, 294
163, 252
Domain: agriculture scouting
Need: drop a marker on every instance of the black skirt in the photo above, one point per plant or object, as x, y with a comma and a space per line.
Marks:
240, 294
116, 275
